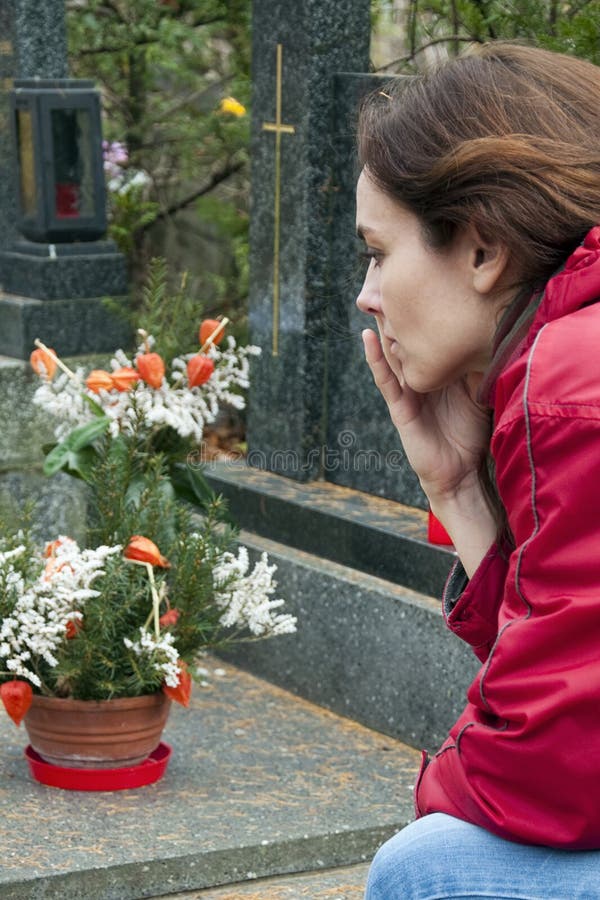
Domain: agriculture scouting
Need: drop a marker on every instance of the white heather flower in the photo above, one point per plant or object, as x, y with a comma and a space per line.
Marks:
160, 651
245, 598
37, 625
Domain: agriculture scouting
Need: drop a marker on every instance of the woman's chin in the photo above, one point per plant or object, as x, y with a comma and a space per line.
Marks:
420, 382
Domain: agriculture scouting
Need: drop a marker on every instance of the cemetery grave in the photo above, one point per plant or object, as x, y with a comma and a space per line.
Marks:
299, 755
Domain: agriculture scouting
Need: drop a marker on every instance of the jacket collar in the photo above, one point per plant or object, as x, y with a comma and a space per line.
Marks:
574, 285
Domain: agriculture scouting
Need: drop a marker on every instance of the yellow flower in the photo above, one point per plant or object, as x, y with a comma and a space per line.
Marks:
232, 106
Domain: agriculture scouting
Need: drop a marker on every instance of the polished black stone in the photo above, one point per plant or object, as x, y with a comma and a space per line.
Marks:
365, 648
286, 409
313, 410
33, 43
359, 430
356, 529
70, 327
51, 272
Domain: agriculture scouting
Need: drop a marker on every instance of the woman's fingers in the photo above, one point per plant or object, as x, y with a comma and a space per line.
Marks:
403, 404
385, 379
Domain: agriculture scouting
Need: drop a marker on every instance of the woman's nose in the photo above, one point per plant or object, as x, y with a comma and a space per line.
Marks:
368, 301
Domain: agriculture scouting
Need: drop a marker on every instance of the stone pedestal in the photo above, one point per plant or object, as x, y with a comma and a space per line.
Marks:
63, 271
57, 292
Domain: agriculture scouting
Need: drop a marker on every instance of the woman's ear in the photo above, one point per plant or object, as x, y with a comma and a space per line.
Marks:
487, 261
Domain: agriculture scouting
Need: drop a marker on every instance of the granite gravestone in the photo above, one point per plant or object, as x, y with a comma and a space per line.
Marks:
313, 409
55, 292
33, 44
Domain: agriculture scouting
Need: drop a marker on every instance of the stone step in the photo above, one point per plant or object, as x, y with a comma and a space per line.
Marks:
260, 784
345, 883
368, 533
365, 648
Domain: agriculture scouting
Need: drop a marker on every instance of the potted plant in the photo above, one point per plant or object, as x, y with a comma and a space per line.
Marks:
115, 628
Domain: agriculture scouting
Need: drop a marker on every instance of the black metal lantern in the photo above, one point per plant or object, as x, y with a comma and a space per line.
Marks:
60, 174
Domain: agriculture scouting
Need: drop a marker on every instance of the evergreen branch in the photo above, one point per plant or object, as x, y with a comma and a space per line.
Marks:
455, 26
190, 98
469, 39
215, 179
480, 5
201, 23
140, 42
412, 27
574, 9
111, 6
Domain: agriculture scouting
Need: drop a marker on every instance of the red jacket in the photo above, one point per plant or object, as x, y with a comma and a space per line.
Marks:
523, 760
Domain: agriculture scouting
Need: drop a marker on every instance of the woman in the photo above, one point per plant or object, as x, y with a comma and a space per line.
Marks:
479, 202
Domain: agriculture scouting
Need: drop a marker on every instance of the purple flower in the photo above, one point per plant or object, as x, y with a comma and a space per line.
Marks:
115, 156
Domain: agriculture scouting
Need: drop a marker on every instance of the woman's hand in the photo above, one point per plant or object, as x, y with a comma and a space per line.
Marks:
445, 435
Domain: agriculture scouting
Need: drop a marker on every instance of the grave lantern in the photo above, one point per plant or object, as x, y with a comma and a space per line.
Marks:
58, 145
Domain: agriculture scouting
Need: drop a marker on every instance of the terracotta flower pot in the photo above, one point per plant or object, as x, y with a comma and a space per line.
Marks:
90, 734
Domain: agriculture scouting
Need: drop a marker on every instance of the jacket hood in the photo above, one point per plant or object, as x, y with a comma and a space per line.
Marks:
574, 285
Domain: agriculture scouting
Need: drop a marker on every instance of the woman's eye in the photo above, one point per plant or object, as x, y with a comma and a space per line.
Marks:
371, 254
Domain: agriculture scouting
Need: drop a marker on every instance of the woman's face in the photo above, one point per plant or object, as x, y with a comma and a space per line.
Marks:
435, 319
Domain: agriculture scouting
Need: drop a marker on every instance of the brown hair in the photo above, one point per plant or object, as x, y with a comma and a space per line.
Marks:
506, 137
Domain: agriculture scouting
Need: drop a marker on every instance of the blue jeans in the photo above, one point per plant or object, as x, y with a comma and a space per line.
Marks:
439, 857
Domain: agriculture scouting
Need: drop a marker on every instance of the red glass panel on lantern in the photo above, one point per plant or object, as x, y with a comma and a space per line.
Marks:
73, 165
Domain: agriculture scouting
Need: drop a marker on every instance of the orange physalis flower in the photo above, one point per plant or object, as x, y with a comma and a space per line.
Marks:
51, 547
169, 618
73, 628
17, 697
151, 368
141, 549
53, 567
99, 380
125, 378
181, 693
43, 364
199, 370
208, 327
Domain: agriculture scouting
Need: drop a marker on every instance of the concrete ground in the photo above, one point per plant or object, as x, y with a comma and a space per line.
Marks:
261, 784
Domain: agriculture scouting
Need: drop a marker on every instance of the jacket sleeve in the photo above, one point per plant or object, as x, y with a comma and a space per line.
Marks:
523, 760
471, 607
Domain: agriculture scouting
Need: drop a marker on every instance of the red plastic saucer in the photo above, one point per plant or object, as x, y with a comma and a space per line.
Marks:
146, 772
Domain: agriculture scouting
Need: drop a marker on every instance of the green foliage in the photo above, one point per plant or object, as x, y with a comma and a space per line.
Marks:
75, 454
171, 317
578, 33
191, 583
129, 215
568, 26
163, 68
230, 224
94, 665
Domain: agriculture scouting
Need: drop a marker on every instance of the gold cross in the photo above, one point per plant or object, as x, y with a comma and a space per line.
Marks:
279, 128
